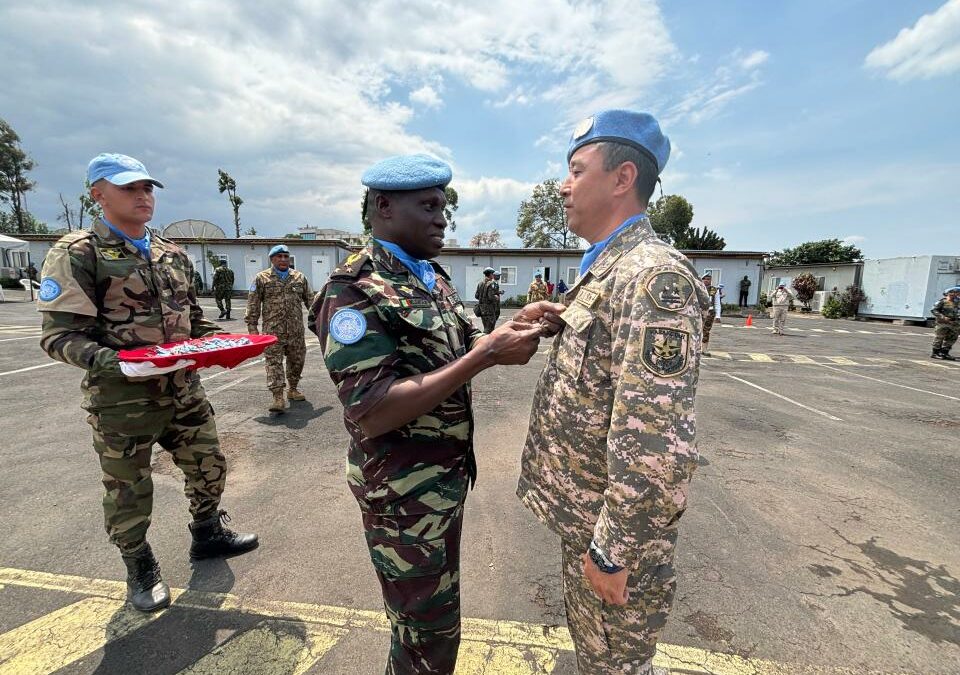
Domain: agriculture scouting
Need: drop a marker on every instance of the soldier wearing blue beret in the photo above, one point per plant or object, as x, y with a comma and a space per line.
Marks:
401, 351
611, 444
947, 316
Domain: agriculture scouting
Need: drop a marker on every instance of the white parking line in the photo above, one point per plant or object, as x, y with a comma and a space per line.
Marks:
28, 337
892, 384
23, 370
228, 385
781, 396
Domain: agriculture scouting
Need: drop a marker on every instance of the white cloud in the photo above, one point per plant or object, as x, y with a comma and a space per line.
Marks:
426, 96
930, 48
754, 59
854, 239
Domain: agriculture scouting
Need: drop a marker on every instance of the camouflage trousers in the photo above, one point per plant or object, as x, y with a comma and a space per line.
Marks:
294, 349
223, 301
124, 438
708, 320
489, 321
944, 335
616, 638
417, 560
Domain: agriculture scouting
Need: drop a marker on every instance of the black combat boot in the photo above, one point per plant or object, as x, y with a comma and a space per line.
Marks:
227, 317
211, 539
945, 355
146, 590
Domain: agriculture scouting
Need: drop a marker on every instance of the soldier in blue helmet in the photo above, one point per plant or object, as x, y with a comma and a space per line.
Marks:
611, 445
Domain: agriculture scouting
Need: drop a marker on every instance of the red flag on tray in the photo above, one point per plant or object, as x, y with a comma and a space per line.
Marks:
224, 349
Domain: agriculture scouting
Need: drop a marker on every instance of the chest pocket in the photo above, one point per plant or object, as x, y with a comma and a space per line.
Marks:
573, 344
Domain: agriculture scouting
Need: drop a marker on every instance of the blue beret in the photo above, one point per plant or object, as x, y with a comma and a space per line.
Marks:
407, 172
279, 248
639, 130
952, 289
118, 169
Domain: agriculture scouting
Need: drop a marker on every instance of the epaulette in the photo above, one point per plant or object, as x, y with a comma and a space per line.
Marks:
350, 268
72, 238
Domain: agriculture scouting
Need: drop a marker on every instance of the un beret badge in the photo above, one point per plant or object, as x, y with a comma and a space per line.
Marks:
583, 128
666, 351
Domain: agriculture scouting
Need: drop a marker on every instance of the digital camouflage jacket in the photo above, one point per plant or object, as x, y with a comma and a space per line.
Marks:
392, 327
100, 295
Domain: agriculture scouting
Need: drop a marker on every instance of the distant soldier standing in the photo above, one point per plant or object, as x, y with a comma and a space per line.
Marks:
223, 288
947, 314
401, 352
538, 289
611, 445
490, 300
277, 293
779, 304
710, 312
119, 285
745, 284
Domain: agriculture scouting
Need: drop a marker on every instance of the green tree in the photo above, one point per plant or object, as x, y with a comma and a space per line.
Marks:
811, 252
27, 224
15, 164
453, 203
229, 185
700, 239
88, 205
70, 216
251, 231
805, 285
293, 235
670, 217
491, 239
542, 220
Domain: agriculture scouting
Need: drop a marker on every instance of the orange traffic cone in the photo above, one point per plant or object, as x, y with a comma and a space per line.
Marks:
749, 320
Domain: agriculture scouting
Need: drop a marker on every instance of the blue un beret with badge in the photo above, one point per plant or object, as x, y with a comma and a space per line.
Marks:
279, 248
408, 172
636, 129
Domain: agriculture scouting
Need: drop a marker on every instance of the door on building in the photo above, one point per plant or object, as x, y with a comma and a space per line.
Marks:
319, 271
252, 266
474, 275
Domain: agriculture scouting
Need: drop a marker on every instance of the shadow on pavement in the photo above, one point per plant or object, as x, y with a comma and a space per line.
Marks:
296, 416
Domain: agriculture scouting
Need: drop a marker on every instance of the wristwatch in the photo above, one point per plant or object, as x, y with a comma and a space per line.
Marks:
601, 560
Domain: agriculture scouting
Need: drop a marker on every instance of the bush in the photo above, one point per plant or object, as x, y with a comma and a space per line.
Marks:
7, 282
832, 308
516, 301
763, 302
805, 285
850, 300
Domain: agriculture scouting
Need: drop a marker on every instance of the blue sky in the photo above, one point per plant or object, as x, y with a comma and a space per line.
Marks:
790, 121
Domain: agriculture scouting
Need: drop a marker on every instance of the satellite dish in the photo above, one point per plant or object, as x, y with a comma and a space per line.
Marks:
193, 229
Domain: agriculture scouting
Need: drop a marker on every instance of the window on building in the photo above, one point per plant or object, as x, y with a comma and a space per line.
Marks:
293, 262
223, 258
18, 258
820, 283
508, 276
572, 274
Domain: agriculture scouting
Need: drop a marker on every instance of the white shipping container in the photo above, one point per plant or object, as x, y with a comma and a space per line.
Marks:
907, 287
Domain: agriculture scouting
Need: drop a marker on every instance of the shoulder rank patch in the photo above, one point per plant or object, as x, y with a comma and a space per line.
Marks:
352, 265
587, 297
50, 289
348, 326
112, 253
669, 290
665, 351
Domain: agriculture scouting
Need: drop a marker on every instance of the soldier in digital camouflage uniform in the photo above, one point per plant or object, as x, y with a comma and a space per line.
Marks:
223, 289
277, 293
538, 289
120, 286
611, 444
401, 351
710, 312
947, 315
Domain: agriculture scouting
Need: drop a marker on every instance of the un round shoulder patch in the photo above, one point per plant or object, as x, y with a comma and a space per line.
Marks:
348, 326
49, 289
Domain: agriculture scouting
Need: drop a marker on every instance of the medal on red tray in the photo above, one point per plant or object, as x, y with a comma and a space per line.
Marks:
227, 350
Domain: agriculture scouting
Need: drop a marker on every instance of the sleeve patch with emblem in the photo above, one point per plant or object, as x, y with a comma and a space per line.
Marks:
666, 351
49, 289
669, 290
348, 326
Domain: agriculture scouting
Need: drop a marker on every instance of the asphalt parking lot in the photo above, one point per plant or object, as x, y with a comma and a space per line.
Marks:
821, 536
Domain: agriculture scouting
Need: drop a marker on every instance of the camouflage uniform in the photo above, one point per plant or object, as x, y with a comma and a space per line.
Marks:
280, 301
411, 482
223, 288
779, 304
709, 316
537, 291
611, 445
111, 298
489, 305
947, 314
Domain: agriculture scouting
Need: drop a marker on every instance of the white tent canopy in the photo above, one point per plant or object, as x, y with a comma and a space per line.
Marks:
6, 241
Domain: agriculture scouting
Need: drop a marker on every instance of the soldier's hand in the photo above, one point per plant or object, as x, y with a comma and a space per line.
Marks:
511, 344
252, 331
147, 369
544, 312
611, 588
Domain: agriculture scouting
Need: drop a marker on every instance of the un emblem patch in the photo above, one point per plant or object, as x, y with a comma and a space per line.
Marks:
49, 289
666, 351
348, 326
670, 290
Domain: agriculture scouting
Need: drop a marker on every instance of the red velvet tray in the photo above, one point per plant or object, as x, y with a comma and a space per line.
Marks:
227, 357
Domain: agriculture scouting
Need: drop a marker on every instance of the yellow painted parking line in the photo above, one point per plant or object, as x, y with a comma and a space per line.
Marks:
303, 633
480, 658
762, 358
799, 358
270, 648
841, 360
61, 637
931, 364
